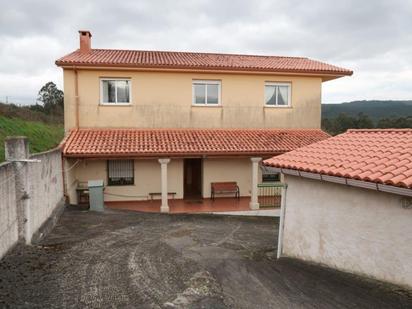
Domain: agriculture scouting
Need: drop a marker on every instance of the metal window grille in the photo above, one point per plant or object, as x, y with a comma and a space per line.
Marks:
120, 172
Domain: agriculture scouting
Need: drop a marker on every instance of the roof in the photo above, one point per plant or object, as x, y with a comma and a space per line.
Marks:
382, 156
93, 143
198, 61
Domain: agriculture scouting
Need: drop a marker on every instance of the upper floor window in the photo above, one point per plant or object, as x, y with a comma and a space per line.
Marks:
206, 92
277, 94
115, 91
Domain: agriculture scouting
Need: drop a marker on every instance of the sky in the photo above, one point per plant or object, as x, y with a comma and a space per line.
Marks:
371, 37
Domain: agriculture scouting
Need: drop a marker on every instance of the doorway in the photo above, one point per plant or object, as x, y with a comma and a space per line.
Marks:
192, 179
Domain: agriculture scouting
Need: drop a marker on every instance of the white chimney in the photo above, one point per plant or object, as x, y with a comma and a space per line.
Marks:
85, 41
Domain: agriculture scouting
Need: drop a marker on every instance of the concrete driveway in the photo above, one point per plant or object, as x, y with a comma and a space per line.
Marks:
129, 260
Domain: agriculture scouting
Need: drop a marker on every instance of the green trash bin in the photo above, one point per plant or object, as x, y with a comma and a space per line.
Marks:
96, 195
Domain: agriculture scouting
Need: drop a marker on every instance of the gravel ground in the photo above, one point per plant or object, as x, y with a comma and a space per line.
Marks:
123, 259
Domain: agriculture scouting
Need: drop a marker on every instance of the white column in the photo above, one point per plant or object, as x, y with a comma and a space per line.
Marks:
163, 170
254, 204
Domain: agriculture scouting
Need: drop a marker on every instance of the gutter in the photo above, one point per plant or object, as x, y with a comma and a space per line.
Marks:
346, 181
186, 69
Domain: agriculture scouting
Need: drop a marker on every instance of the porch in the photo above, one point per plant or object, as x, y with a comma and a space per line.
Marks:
206, 205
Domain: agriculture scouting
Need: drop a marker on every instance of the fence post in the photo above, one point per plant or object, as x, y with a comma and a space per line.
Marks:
17, 152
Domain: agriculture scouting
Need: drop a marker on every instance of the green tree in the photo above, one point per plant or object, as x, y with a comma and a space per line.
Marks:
52, 99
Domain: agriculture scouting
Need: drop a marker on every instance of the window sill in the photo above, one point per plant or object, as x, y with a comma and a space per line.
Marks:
278, 106
207, 105
115, 104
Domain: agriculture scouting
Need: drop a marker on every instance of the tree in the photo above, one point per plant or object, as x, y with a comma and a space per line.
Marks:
52, 99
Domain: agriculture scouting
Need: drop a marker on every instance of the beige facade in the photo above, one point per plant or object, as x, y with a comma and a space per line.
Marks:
164, 100
352, 229
147, 177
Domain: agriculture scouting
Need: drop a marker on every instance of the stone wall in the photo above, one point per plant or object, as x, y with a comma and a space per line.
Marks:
8, 213
45, 189
31, 191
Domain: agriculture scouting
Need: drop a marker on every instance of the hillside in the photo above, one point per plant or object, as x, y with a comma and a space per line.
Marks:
41, 136
376, 110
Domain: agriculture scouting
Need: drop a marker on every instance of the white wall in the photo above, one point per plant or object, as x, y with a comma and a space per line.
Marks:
46, 186
352, 229
8, 213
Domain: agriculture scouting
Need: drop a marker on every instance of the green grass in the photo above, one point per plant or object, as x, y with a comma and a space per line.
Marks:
41, 136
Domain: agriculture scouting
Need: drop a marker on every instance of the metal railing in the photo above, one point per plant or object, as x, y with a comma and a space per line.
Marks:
270, 194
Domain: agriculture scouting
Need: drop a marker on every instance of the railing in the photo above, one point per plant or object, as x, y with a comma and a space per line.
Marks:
270, 194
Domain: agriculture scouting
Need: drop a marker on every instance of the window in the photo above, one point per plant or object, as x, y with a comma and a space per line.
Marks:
206, 92
120, 172
272, 177
277, 94
115, 91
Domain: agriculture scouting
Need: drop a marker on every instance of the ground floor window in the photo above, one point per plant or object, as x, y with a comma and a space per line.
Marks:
273, 177
120, 172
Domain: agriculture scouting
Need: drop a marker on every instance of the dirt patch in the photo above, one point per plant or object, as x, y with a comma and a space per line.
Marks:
123, 259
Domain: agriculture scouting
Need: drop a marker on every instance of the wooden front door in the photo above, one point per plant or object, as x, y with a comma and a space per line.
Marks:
192, 178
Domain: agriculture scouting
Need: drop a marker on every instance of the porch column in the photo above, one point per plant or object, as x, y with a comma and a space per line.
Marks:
254, 204
163, 171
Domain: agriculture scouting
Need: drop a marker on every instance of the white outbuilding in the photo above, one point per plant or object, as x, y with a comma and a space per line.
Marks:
348, 203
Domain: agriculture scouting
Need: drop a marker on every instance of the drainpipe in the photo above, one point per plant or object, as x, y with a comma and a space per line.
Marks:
282, 220
76, 93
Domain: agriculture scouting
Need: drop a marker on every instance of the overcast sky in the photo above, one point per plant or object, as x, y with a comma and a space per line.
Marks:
371, 37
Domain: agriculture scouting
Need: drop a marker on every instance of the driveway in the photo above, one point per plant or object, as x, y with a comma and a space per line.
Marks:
123, 259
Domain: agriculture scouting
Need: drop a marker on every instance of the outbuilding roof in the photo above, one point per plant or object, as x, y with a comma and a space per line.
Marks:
382, 156
199, 61
92, 143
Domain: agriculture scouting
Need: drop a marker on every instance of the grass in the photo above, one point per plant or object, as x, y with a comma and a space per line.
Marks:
41, 136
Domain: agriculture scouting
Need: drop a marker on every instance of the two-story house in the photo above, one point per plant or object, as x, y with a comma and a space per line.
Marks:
156, 122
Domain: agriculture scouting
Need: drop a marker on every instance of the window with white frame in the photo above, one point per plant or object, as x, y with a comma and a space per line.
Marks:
115, 91
277, 94
206, 92
120, 172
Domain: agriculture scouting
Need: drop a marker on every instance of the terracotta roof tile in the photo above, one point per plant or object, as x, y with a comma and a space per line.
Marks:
184, 142
380, 156
198, 61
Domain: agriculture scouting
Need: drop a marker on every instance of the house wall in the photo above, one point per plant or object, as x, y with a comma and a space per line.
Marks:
146, 178
230, 169
164, 100
352, 229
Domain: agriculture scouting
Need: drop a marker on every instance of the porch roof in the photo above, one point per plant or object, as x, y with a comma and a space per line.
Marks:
94, 143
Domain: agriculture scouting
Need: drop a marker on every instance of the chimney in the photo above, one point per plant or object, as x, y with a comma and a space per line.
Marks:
85, 41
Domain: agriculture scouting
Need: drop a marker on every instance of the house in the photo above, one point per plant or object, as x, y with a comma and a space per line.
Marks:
349, 203
166, 125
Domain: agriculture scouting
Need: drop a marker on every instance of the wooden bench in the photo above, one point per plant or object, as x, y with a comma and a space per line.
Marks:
224, 188
153, 194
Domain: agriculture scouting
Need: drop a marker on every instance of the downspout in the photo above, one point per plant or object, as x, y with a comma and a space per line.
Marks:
282, 220
76, 95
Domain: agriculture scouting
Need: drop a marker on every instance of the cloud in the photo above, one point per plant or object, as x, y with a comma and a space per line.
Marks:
371, 37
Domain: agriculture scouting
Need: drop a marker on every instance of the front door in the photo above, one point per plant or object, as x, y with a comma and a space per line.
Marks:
192, 178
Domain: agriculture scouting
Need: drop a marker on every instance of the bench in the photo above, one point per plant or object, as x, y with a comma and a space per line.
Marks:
153, 194
224, 188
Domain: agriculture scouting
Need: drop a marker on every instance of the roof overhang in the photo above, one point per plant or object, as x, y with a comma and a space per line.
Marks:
346, 181
325, 76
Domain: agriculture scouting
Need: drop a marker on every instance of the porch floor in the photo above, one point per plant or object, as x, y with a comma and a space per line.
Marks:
220, 204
